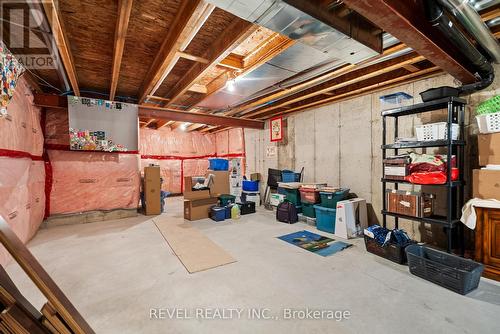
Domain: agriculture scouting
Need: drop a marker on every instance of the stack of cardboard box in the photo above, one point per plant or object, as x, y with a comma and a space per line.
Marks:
486, 181
197, 203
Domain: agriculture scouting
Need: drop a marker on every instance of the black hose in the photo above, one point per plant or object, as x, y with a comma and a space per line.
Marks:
485, 72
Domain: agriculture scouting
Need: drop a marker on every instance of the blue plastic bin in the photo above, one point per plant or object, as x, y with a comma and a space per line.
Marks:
218, 164
325, 219
228, 210
290, 176
250, 185
218, 213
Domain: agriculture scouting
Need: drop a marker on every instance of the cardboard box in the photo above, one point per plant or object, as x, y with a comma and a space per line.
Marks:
489, 149
255, 177
152, 190
199, 208
220, 184
486, 184
410, 203
193, 194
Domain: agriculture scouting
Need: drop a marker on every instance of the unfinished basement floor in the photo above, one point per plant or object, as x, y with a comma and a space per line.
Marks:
114, 272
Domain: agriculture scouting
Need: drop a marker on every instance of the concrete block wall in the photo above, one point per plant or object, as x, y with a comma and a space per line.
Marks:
340, 143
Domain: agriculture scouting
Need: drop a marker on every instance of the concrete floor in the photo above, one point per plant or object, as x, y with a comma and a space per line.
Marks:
115, 272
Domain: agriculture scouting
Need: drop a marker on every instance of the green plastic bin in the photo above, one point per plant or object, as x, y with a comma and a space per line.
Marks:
226, 199
308, 210
330, 199
292, 195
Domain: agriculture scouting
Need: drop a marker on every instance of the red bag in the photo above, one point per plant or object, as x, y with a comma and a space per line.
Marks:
432, 177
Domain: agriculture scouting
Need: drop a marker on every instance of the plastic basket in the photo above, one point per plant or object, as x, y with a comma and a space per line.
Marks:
488, 123
218, 164
447, 270
325, 219
489, 106
392, 252
436, 131
290, 176
250, 185
309, 195
330, 199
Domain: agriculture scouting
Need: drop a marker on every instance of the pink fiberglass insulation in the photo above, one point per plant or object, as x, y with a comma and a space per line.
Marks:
167, 142
20, 130
195, 167
222, 140
236, 141
170, 171
22, 197
56, 127
84, 181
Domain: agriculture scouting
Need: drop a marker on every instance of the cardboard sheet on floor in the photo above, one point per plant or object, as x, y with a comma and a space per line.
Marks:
194, 250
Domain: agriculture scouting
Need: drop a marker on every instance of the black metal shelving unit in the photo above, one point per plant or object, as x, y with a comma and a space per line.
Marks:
455, 189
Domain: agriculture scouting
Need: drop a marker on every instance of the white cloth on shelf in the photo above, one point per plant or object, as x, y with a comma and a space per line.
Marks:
469, 213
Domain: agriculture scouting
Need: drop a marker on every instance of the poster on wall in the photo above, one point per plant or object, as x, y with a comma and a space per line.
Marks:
100, 125
276, 128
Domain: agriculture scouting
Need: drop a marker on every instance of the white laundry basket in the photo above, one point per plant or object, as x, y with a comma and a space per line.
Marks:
488, 123
435, 131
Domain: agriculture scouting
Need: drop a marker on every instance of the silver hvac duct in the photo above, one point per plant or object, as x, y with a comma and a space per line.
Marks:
471, 20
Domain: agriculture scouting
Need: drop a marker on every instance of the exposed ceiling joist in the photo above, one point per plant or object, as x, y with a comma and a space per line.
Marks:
124, 9
163, 122
364, 88
405, 21
169, 114
194, 127
233, 61
346, 79
197, 88
188, 21
61, 40
490, 13
235, 33
192, 57
309, 83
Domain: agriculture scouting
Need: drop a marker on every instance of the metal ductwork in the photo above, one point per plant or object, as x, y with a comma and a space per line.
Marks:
472, 22
320, 48
485, 72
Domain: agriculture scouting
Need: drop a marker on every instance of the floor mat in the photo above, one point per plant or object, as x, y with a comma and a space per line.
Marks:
315, 243
194, 250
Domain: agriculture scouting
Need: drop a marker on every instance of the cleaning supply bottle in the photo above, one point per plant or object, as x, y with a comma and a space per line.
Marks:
235, 212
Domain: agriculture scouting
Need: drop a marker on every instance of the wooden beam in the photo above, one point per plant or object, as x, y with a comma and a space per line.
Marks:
406, 21
410, 67
159, 98
185, 116
169, 114
163, 122
124, 9
194, 127
197, 88
347, 79
490, 13
233, 35
233, 61
188, 21
57, 26
309, 83
352, 92
191, 57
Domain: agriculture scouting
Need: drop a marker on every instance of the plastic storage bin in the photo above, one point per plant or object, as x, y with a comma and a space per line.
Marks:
488, 123
439, 93
218, 213
292, 195
392, 252
218, 164
228, 210
247, 208
247, 196
226, 199
308, 210
489, 106
436, 131
448, 270
290, 176
276, 199
392, 101
250, 185
309, 195
325, 218
330, 199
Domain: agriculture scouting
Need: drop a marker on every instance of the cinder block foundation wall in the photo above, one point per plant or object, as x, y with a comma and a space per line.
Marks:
340, 144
